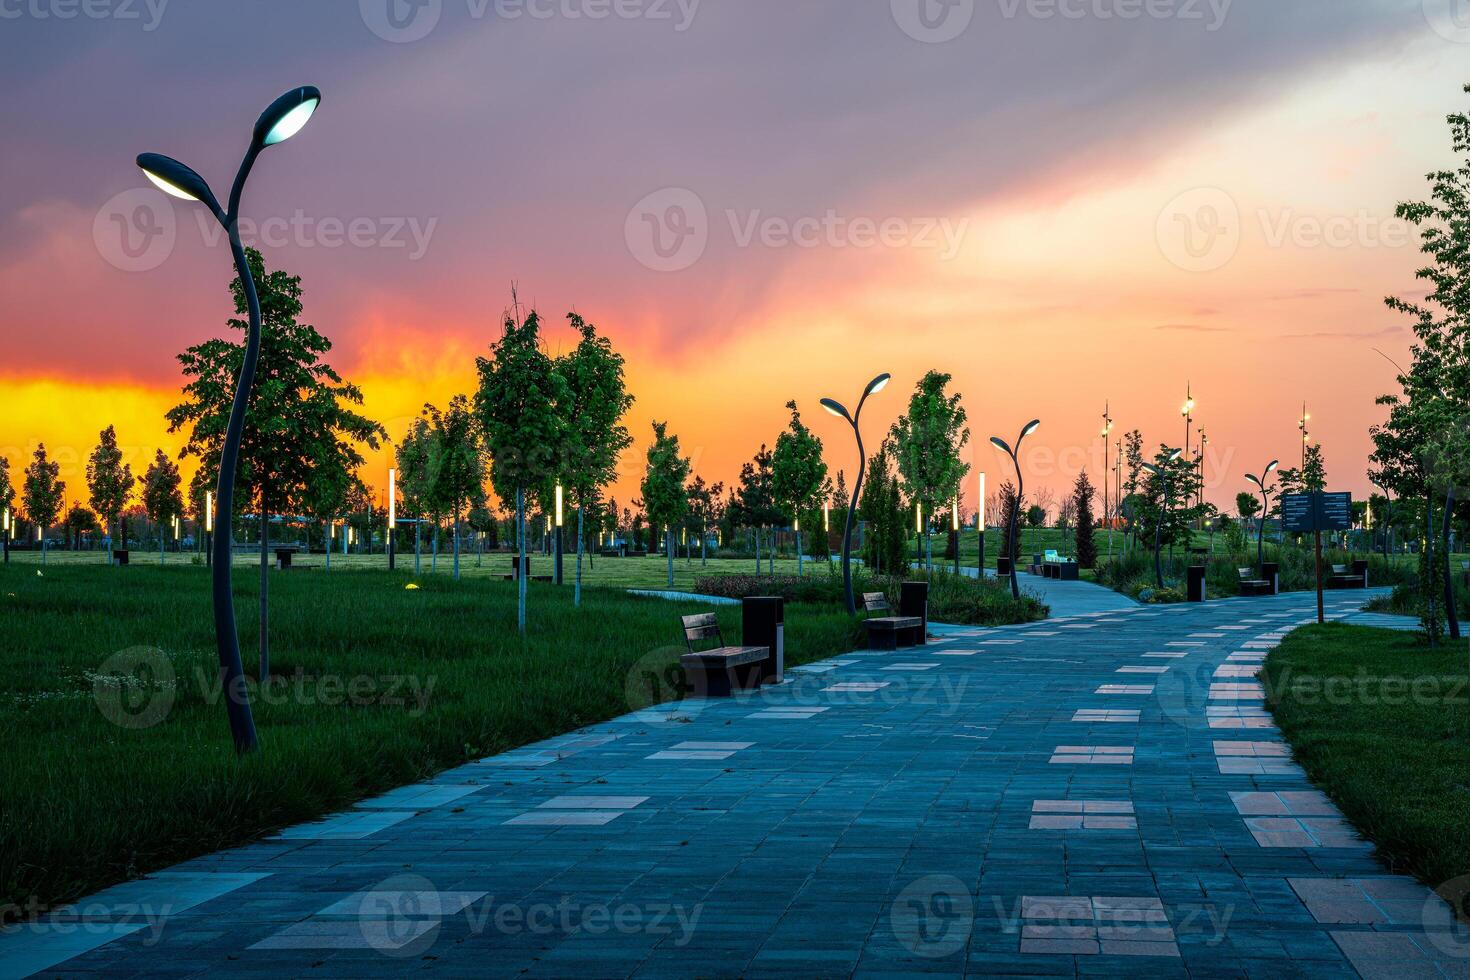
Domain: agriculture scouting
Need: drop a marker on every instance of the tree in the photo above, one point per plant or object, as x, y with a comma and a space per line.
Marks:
1246, 505
162, 498
881, 511
1082, 495
7, 500
757, 501
1172, 479
663, 487
597, 399
80, 521
43, 493
412, 459
110, 482
705, 509
1133, 461
1010, 507
798, 473
300, 425
927, 444
517, 407
456, 477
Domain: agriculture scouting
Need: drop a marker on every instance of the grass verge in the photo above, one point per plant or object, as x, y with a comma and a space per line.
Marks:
1380, 722
118, 758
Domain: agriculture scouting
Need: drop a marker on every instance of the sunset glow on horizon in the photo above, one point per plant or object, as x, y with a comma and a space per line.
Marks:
924, 207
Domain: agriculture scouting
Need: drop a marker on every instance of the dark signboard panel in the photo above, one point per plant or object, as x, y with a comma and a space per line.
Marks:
1336, 511
1298, 516
1302, 513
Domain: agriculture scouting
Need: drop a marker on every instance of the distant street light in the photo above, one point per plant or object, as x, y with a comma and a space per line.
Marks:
1015, 455
1306, 436
1163, 476
559, 517
1260, 482
392, 518
1107, 430
836, 408
1188, 412
281, 120
980, 527
7, 535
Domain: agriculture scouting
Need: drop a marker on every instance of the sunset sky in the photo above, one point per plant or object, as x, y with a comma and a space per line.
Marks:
1064, 203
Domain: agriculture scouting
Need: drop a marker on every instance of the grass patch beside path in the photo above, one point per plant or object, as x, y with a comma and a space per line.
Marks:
380, 686
1380, 722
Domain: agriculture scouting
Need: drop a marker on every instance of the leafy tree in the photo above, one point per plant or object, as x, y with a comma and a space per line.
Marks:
597, 400
412, 459
300, 424
1009, 507
43, 493
705, 509
456, 477
798, 473
881, 510
757, 501
1082, 496
110, 481
663, 487
80, 521
1247, 505
1311, 478
927, 443
517, 406
1133, 463
162, 498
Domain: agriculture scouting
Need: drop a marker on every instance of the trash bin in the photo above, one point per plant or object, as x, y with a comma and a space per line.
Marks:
1271, 572
913, 600
1002, 567
763, 624
120, 556
1196, 583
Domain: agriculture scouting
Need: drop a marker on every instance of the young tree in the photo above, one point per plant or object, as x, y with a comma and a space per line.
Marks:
517, 406
300, 414
798, 473
1082, 496
927, 445
110, 481
162, 498
881, 511
757, 501
1009, 507
456, 463
663, 487
80, 521
597, 399
705, 510
1133, 466
412, 459
43, 493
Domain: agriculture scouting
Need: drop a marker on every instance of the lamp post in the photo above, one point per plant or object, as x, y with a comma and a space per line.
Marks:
980, 528
1306, 437
836, 408
281, 120
7, 535
1260, 482
1117, 498
558, 532
1015, 455
1188, 412
392, 518
1107, 430
954, 523
1163, 477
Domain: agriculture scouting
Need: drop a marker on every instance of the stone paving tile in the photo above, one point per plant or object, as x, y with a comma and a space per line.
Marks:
858, 827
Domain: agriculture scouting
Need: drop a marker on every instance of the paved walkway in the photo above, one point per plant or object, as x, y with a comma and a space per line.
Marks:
1067, 598
1089, 795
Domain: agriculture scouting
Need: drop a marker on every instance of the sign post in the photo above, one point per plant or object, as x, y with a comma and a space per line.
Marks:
1317, 512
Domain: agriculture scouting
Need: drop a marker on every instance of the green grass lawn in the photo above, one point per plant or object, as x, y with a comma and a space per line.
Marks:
380, 686
1381, 723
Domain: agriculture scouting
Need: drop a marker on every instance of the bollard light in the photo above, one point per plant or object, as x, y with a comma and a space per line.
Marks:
209, 511
827, 517
558, 505
392, 499
7, 520
955, 515
918, 518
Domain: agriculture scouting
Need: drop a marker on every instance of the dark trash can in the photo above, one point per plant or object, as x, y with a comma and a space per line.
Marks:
1196, 583
763, 624
120, 556
1271, 572
913, 600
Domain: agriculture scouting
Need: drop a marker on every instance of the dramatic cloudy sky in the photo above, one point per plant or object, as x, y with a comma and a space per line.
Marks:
1061, 202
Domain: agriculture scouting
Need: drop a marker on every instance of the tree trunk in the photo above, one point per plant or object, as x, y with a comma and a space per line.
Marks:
521, 559
456, 542
756, 535
418, 538
800, 557
328, 534
434, 558
1427, 558
577, 585
669, 553
265, 536
1449, 580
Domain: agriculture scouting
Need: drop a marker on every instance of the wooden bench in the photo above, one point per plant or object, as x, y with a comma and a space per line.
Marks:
1252, 586
1353, 576
721, 670
890, 632
534, 578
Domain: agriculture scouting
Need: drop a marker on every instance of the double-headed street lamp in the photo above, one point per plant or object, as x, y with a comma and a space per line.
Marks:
281, 120
1015, 455
1163, 477
836, 408
1260, 482
1107, 430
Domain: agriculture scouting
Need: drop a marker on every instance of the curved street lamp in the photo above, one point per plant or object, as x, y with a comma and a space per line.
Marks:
1015, 455
1163, 476
281, 120
836, 408
1260, 482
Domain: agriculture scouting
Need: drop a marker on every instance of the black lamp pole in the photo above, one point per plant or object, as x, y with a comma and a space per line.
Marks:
1260, 482
280, 121
1015, 455
836, 408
